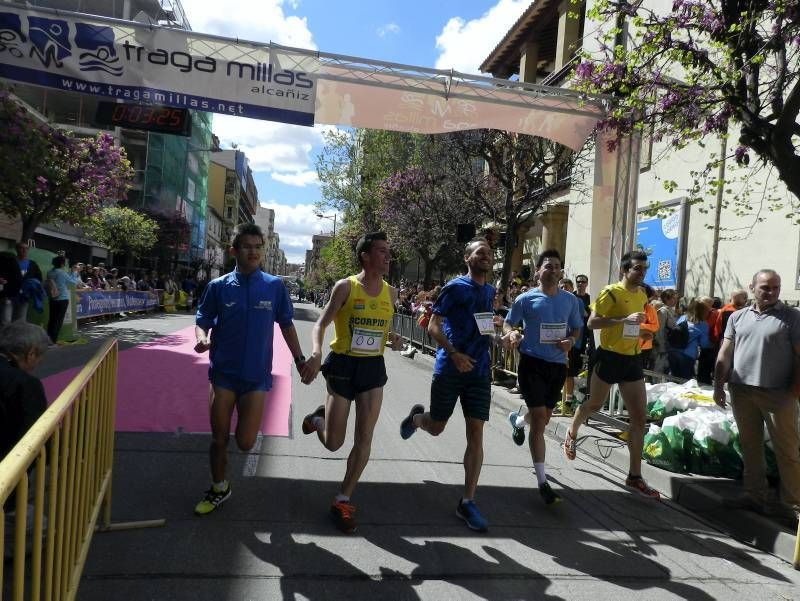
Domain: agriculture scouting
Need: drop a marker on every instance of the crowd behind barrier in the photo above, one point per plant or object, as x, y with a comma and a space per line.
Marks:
503, 365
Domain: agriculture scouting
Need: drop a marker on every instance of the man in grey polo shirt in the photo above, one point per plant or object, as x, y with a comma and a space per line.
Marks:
760, 360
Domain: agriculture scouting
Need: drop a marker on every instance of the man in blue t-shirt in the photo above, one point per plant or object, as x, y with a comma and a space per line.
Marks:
462, 324
241, 309
551, 322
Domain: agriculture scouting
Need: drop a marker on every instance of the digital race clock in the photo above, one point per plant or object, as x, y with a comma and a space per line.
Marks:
162, 119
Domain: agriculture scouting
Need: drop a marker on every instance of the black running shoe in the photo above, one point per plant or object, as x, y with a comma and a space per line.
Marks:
549, 496
517, 433
407, 427
308, 420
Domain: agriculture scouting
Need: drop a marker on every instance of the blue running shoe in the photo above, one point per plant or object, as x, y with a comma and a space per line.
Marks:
407, 427
517, 434
469, 513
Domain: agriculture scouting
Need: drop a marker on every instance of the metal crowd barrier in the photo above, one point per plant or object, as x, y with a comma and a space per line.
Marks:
410, 330
70, 451
506, 362
502, 361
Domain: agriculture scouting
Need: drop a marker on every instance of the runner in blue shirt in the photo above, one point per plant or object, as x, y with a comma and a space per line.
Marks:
552, 320
462, 324
241, 308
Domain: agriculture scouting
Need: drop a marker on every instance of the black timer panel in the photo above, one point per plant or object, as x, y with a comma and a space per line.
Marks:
148, 117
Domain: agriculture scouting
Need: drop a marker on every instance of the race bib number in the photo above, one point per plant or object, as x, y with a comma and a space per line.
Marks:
366, 342
630, 330
551, 333
485, 323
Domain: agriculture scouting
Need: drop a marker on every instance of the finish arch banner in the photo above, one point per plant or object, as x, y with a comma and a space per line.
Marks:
133, 63
139, 63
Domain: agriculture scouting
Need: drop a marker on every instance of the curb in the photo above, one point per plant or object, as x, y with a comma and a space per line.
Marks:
703, 498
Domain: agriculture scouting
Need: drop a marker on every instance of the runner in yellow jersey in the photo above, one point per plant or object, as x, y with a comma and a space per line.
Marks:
361, 308
618, 313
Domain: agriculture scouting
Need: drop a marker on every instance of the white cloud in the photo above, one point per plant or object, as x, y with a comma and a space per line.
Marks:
387, 29
463, 45
254, 20
296, 224
274, 148
278, 149
298, 178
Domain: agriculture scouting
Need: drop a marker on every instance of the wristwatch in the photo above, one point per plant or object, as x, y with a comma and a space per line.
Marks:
299, 360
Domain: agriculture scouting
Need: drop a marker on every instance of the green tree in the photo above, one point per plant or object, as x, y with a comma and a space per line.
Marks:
49, 174
123, 230
525, 172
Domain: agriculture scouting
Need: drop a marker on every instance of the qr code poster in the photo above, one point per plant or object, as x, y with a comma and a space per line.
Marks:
664, 270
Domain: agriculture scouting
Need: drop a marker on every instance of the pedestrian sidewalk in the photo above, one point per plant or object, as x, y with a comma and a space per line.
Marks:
709, 498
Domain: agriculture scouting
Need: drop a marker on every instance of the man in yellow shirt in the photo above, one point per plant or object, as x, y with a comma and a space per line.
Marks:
361, 309
618, 313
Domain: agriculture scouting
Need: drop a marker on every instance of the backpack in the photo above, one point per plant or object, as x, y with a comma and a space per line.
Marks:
51, 287
678, 337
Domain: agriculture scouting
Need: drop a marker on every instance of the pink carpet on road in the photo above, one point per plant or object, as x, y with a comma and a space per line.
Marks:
162, 386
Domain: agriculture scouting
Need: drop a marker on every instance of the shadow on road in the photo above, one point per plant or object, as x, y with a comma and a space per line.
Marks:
408, 540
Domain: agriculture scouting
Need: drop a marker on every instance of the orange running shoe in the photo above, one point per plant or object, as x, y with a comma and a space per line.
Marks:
342, 514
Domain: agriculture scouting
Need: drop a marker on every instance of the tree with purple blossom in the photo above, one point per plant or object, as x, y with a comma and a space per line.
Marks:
704, 67
48, 174
419, 211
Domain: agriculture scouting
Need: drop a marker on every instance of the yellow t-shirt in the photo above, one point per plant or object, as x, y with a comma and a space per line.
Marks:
362, 324
616, 301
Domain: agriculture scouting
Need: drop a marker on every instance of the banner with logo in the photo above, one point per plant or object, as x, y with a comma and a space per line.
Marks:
139, 64
661, 240
103, 302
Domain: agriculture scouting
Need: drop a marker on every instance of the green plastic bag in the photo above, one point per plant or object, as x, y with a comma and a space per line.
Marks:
658, 451
715, 456
656, 410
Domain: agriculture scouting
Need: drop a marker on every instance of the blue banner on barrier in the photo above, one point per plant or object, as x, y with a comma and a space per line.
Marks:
103, 302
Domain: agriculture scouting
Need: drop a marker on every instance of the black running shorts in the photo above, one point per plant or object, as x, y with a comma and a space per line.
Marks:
349, 376
474, 391
540, 381
614, 368
575, 362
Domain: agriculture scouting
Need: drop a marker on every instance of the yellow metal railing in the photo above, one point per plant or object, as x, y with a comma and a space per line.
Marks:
69, 451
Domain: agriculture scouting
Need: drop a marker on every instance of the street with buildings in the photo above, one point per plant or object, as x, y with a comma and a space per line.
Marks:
273, 538
237, 143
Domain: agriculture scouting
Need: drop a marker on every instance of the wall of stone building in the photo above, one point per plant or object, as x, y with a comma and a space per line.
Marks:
761, 238
749, 242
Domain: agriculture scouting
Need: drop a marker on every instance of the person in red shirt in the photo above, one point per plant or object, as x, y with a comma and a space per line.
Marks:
738, 300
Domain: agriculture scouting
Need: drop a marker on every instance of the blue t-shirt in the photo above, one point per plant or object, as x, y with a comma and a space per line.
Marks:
241, 311
62, 279
546, 316
458, 302
698, 337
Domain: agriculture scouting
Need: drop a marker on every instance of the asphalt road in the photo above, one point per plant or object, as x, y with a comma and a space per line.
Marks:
273, 539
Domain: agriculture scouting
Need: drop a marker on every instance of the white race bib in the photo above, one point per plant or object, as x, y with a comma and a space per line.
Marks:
630, 330
485, 323
551, 333
366, 342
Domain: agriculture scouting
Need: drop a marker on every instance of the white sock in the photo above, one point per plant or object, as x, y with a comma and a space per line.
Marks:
319, 423
465, 500
340, 498
541, 476
219, 486
520, 423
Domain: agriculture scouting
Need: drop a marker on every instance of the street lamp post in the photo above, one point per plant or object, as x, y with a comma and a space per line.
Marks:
333, 217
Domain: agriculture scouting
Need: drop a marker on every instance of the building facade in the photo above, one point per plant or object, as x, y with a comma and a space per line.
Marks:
541, 48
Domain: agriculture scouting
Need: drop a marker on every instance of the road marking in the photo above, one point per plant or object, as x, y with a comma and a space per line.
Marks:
253, 455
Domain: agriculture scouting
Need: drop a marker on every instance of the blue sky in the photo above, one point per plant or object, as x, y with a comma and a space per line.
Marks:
444, 34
